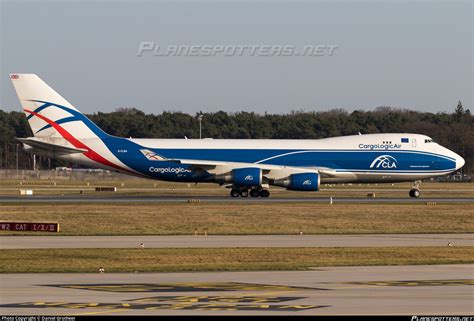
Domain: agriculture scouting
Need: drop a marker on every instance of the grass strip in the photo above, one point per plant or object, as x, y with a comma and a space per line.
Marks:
242, 218
222, 259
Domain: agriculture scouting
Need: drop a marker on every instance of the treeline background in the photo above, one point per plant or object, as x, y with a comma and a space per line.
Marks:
453, 130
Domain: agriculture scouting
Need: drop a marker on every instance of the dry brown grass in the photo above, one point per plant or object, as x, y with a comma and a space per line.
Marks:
222, 259
241, 218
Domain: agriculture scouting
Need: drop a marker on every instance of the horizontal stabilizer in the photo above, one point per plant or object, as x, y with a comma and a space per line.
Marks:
49, 147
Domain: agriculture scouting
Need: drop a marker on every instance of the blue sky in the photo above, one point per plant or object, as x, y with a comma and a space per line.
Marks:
408, 54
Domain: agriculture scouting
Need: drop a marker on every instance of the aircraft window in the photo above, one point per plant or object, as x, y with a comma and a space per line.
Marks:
429, 141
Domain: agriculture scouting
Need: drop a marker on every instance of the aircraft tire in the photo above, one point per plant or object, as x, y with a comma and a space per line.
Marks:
244, 193
234, 193
414, 193
254, 193
264, 193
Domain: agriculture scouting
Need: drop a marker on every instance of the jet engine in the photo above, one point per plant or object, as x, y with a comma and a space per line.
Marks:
299, 182
249, 176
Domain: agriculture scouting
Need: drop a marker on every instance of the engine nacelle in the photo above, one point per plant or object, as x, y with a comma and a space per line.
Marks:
248, 176
300, 182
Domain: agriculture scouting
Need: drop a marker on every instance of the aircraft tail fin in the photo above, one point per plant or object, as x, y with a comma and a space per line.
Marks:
48, 113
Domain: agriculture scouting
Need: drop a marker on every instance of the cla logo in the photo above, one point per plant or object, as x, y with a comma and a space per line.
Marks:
248, 178
307, 182
384, 161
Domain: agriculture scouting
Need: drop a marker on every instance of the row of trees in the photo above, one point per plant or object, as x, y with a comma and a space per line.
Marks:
454, 130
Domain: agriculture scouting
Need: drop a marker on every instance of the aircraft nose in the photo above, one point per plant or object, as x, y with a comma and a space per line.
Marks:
459, 162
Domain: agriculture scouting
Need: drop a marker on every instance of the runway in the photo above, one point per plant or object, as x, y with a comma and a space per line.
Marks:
217, 199
216, 241
400, 290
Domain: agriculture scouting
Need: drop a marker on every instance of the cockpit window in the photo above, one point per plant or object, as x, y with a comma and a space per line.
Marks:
429, 140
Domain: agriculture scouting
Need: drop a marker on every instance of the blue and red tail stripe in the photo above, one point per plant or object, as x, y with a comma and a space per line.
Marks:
76, 116
91, 154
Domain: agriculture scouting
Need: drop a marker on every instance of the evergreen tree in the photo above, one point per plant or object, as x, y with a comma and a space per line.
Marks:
459, 109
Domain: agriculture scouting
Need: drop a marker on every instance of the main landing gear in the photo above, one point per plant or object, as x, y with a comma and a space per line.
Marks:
245, 192
415, 190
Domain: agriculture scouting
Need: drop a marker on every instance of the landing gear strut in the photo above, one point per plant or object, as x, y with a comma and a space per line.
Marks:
415, 190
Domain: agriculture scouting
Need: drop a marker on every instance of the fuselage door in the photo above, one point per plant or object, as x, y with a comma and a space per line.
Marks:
413, 142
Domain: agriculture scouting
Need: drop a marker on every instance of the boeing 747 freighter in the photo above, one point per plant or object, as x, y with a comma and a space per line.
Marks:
248, 166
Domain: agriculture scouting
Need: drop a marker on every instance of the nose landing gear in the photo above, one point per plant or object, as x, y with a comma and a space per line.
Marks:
414, 193
415, 190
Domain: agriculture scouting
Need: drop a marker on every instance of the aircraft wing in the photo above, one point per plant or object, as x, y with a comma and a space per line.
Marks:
209, 164
49, 147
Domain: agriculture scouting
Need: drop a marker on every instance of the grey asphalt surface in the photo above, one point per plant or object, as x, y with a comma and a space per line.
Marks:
201, 241
408, 290
182, 199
